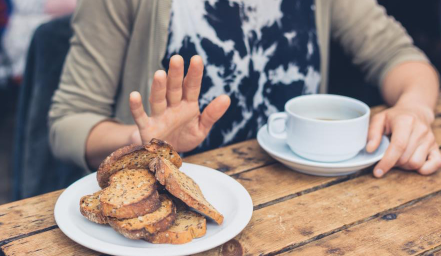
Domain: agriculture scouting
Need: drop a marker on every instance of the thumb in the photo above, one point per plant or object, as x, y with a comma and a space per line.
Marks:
213, 112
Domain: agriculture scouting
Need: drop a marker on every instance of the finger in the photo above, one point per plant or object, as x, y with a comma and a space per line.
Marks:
158, 102
376, 131
415, 140
433, 162
213, 112
137, 110
174, 81
401, 130
193, 79
419, 157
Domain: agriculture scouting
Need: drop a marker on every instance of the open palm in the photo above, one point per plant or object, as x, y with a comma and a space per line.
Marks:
175, 115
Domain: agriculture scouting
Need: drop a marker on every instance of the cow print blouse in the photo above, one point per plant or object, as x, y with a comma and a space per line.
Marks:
259, 52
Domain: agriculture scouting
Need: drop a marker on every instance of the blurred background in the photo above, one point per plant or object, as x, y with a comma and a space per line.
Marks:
19, 64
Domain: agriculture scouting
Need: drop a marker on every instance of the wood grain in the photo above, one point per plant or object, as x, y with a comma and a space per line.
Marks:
277, 181
438, 107
436, 127
49, 243
305, 218
233, 159
264, 184
408, 231
26, 216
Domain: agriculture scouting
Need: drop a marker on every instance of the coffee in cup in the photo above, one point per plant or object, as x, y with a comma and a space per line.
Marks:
324, 128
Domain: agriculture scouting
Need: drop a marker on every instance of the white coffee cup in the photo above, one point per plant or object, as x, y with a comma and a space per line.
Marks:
322, 127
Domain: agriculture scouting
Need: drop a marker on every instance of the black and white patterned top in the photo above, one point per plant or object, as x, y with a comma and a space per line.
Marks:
259, 52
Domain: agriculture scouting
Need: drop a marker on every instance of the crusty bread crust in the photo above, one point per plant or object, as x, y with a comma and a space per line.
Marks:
131, 207
188, 225
107, 168
183, 187
135, 157
149, 204
90, 208
149, 224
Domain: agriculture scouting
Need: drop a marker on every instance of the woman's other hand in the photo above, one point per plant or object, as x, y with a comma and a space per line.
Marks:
413, 145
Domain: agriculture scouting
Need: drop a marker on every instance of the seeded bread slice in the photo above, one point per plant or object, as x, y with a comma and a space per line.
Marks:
135, 157
183, 187
131, 193
90, 208
149, 224
188, 225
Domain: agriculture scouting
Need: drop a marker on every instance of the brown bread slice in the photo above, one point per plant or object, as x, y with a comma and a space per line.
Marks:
183, 187
135, 157
90, 208
188, 225
148, 224
131, 193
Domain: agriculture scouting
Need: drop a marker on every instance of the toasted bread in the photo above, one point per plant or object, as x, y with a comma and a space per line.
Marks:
148, 224
135, 157
131, 193
183, 187
188, 225
90, 208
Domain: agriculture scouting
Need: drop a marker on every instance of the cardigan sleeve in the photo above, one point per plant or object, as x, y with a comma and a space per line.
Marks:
376, 41
91, 75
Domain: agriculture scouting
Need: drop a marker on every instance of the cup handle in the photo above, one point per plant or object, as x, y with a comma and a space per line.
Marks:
273, 117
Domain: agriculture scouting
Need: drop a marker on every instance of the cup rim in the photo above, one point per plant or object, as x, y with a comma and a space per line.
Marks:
334, 96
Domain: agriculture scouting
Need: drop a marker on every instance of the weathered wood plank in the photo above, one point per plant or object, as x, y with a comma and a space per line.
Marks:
304, 218
438, 107
277, 181
264, 184
436, 126
27, 216
49, 243
407, 231
233, 159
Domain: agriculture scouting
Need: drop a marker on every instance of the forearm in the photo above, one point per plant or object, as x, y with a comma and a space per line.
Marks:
412, 84
105, 138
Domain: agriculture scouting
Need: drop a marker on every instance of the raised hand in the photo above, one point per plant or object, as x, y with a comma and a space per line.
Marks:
175, 115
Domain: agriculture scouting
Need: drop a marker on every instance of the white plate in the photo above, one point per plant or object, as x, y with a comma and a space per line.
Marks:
280, 151
223, 192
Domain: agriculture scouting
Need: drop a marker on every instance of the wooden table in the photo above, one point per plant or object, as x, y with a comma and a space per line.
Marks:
294, 214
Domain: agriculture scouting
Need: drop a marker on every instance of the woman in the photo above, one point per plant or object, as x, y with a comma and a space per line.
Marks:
257, 55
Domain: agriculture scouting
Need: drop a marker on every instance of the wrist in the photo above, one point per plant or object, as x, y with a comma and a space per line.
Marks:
133, 136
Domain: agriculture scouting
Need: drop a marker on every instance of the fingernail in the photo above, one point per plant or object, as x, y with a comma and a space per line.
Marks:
369, 144
378, 172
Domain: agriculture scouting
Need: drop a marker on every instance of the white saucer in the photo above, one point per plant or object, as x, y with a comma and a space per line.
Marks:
280, 151
222, 191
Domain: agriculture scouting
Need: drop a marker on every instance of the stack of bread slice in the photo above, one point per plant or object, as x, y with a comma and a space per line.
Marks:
145, 196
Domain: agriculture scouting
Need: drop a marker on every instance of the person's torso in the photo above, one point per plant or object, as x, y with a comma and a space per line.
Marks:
260, 53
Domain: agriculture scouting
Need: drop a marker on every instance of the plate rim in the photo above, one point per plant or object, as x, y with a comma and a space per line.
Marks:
310, 163
236, 226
